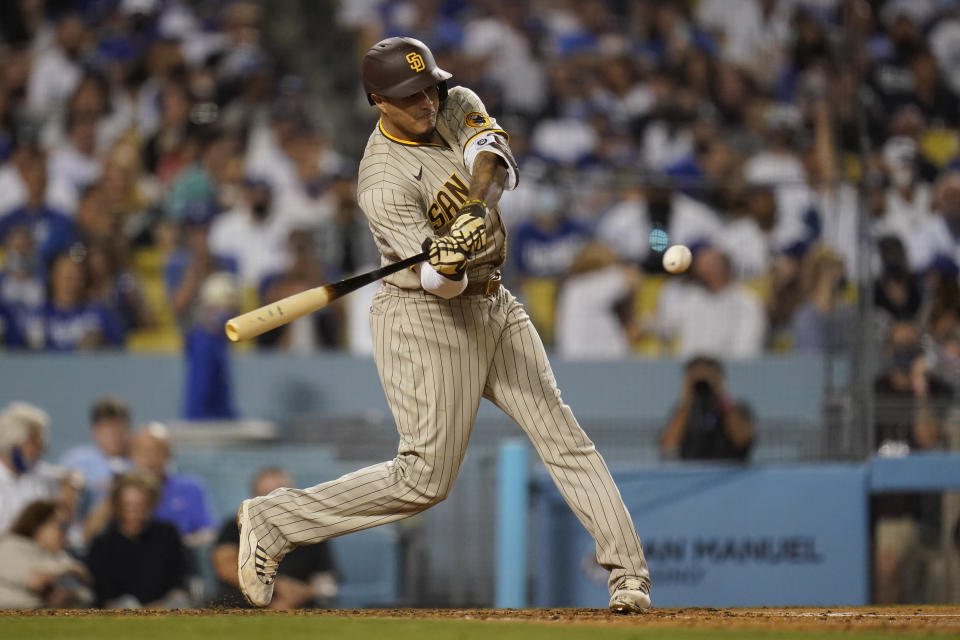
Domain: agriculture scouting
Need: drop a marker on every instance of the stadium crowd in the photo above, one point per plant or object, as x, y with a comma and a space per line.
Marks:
114, 525
159, 130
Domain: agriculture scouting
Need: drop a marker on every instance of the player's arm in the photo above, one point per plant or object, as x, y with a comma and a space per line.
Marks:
489, 177
396, 218
486, 153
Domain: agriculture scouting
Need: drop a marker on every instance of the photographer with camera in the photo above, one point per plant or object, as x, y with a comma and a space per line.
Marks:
707, 424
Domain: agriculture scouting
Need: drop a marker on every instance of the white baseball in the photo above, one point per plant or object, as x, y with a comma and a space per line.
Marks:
677, 258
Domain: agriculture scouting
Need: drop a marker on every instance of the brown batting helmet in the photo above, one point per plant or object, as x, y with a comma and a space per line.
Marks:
399, 67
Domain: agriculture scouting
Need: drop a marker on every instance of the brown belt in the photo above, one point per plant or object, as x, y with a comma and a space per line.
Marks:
486, 287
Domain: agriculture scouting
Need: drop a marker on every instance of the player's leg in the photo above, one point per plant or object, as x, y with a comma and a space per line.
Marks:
522, 384
430, 372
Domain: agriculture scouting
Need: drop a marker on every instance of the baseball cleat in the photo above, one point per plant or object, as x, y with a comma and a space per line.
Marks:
256, 570
631, 596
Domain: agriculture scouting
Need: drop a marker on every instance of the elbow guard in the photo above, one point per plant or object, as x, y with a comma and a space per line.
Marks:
494, 141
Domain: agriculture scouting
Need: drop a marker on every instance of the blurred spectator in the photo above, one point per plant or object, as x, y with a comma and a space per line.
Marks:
714, 314
778, 166
747, 236
630, 225
896, 293
347, 245
908, 201
138, 561
937, 102
207, 159
911, 404
38, 572
751, 33
22, 291
14, 187
22, 442
496, 42
910, 401
75, 161
940, 239
109, 454
825, 321
307, 576
188, 267
208, 392
545, 246
57, 71
265, 154
116, 288
70, 321
595, 306
707, 424
165, 152
183, 499
319, 330
252, 234
51, 230
302, 192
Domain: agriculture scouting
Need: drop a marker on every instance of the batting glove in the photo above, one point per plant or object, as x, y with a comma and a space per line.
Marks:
469, 228
446, 257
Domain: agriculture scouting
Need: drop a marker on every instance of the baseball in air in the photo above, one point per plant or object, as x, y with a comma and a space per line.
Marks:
677, 258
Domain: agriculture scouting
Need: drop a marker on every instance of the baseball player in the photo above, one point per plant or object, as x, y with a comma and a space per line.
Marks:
446, 334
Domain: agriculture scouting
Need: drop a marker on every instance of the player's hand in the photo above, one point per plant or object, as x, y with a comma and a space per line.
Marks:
469, 230
446, 257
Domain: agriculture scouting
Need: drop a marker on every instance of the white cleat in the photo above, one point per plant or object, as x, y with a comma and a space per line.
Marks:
632, 596
256, 571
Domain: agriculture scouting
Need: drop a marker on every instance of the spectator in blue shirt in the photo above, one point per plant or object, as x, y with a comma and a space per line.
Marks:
68, 321
546, 245
107, 456
184, 501
21, 284
188, 267
51, 230
208, 392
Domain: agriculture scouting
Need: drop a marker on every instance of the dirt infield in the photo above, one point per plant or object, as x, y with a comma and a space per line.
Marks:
912, 619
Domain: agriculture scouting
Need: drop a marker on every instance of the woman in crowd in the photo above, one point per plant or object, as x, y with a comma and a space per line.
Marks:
37, 572
136, 561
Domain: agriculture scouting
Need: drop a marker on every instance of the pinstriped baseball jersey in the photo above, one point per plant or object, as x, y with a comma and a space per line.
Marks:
411, 190
438, 359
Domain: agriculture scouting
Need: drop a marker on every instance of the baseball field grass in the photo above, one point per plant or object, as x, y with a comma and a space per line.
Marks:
485, 624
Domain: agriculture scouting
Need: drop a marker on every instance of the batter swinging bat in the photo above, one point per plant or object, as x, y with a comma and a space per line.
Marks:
276, 314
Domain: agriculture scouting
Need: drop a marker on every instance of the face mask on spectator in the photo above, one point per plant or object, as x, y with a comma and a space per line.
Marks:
901, 177
260, 210
19, 461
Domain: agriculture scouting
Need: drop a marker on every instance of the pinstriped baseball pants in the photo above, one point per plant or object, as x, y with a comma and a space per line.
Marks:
437, 359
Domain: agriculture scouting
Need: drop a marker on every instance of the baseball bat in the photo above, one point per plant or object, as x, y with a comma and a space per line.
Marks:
270, 316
